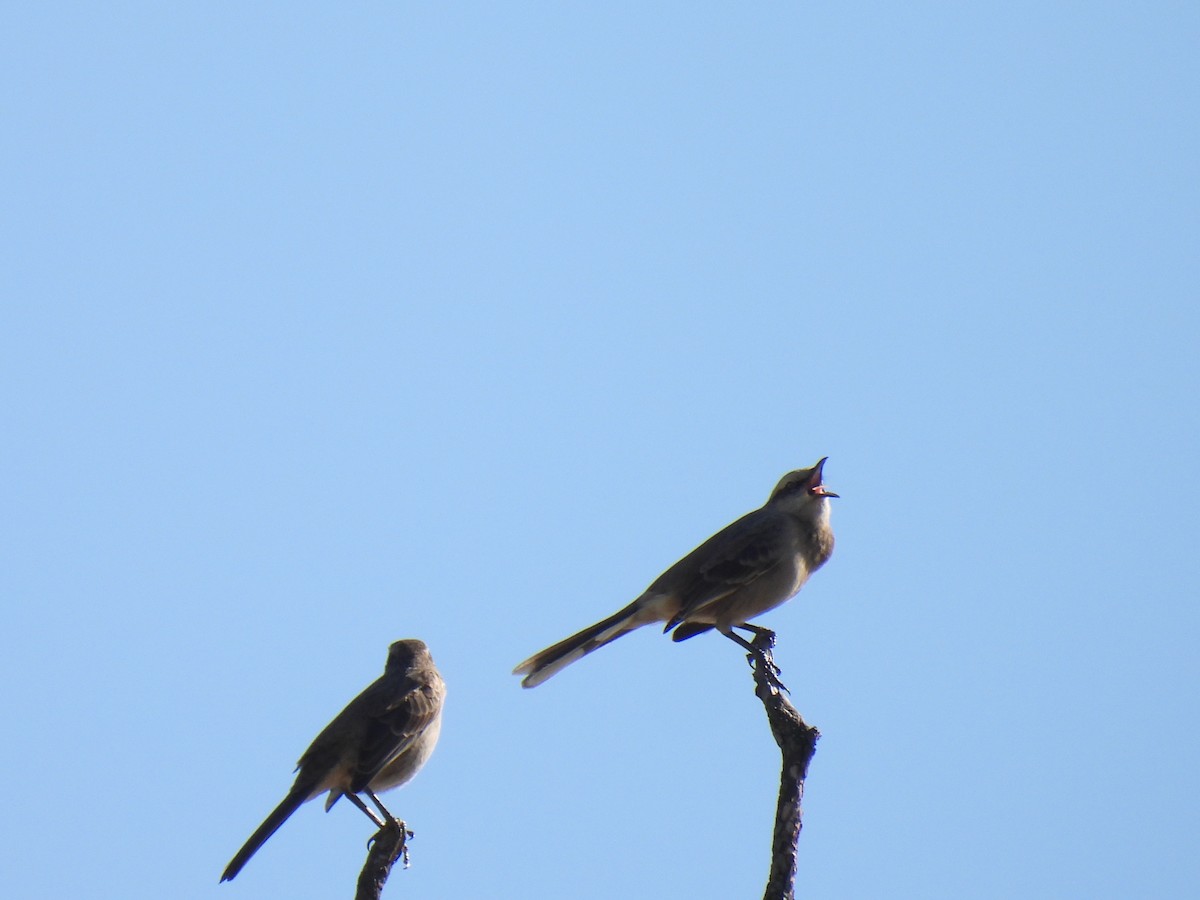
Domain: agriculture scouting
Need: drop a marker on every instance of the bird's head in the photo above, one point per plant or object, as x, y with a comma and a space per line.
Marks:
802, 488
402, 654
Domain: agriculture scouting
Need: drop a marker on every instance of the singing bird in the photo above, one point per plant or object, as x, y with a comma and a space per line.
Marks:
379, 741
745, 569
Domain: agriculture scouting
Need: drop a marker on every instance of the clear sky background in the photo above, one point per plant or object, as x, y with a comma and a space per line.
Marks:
327, 325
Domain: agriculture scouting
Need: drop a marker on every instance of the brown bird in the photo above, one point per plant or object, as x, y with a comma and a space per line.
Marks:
743, 570
379, 741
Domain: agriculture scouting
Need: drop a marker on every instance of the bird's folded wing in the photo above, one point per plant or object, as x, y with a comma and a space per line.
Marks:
727, 562
394, 724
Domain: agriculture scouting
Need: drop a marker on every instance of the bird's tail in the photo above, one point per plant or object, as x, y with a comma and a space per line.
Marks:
290, 804
550, 661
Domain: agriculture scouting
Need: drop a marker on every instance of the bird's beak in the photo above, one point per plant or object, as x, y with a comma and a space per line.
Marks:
814, 483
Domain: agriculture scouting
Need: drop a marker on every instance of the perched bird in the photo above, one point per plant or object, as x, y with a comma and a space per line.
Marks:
379, 741
740, 572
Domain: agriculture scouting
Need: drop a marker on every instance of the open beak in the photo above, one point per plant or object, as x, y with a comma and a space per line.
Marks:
814, 484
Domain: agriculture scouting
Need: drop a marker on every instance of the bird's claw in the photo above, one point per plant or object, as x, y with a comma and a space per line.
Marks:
405, 837
764, 640
399, 825
764, 664
771, 676
759, 656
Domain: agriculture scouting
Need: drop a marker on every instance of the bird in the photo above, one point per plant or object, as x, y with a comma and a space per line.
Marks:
379, 741
742, 571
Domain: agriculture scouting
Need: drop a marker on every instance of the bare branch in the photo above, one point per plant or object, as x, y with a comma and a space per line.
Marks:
389, 844
797, 742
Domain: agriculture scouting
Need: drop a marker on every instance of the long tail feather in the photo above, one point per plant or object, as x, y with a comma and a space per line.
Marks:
552, 660
289, 805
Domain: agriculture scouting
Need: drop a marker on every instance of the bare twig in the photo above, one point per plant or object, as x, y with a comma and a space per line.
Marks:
389, 844
797, 742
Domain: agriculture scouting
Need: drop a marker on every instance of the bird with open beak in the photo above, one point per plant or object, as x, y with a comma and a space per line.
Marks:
742, 571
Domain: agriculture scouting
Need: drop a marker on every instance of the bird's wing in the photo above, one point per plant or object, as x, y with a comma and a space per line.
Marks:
728, 561
394, 723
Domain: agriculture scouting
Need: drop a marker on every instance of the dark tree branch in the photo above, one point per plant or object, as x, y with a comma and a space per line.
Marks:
389, 844
797, 742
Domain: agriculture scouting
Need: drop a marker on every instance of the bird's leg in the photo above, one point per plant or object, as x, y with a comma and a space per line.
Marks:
399, 823
753, 651
392, 822
357, 801
760, 652
383, 809
760, 648
764, 638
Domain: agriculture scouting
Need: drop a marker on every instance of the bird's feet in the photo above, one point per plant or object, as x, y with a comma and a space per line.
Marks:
406, 836
764, 638
394, 825
762, 661
766, 673
396, 831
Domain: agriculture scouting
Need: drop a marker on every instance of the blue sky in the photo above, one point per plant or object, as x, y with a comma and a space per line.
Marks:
326, 326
